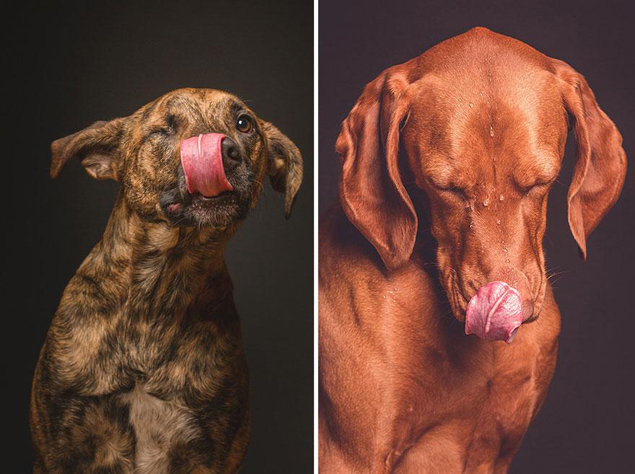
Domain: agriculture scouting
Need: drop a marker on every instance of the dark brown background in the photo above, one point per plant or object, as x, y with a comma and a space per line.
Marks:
71, 64
586, 424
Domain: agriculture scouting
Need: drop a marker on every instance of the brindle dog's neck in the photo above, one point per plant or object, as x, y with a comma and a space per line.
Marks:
152, 271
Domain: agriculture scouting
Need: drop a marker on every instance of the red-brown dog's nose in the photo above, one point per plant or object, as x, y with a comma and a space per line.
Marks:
495, 312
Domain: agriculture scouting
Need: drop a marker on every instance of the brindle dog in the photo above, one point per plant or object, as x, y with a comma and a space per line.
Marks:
143, 367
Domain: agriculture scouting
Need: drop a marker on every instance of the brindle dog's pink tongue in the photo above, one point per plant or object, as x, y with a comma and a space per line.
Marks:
494, 313
202, 160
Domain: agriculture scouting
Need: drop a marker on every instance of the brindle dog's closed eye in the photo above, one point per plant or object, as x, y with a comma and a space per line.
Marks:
143, 367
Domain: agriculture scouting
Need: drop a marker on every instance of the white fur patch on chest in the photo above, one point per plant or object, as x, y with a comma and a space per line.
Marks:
158, 426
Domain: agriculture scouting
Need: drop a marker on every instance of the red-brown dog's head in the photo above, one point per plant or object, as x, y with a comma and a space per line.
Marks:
480, 121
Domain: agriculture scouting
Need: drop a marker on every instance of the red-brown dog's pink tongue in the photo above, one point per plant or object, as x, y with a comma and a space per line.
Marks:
202, 160
494, 312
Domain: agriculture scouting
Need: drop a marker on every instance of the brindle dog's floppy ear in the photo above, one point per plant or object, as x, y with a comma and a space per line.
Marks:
600, 167
284, 165
96, 147
371, 190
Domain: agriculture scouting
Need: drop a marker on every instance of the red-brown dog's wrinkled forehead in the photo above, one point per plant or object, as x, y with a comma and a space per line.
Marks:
499, 116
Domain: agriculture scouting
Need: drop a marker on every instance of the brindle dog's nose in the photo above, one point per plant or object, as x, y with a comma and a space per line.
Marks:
231, 154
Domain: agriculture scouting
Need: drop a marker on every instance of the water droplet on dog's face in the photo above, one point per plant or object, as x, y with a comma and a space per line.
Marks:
501, 198
498, 221
486, 202
471, 105
491, 131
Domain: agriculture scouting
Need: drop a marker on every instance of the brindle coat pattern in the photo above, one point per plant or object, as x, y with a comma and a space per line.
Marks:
143, 367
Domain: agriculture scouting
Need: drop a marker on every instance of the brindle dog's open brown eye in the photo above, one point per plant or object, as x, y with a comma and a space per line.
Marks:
244, 124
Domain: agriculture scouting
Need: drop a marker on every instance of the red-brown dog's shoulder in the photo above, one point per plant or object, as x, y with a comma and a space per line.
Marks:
366, 342
351, 274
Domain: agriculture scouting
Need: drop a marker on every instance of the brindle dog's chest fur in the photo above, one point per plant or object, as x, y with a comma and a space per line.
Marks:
158, 424
143, 369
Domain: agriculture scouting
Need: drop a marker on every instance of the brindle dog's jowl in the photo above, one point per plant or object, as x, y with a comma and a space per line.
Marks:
143, 367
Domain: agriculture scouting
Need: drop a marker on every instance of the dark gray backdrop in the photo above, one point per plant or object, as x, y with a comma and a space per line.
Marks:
586, 424
72, 64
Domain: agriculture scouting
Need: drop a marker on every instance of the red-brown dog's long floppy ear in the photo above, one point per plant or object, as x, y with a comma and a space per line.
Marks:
600, 167
371, 190
96, 147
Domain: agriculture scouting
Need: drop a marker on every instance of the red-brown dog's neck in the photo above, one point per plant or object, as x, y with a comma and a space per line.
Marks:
346, 253
419, 383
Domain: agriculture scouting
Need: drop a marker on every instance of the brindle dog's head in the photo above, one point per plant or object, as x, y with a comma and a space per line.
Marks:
143, 151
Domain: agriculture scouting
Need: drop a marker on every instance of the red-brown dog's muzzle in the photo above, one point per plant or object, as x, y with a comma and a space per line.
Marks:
495, 312
202, 161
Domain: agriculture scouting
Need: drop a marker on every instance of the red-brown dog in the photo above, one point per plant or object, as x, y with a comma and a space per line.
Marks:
464, 140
